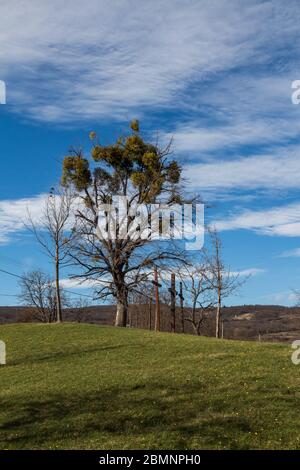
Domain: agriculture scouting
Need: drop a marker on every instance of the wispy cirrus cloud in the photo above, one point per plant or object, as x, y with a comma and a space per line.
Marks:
231, 134
243, 109
64, 62
273, 171
287, 297
281, 221
249, 272
295, 253
13, 214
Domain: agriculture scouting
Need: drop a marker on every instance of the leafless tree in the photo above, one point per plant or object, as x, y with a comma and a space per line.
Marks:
53, 232
38, 291
219, 276
141, 301
142, 174
198, 293
295, 293
79, 310
141, 294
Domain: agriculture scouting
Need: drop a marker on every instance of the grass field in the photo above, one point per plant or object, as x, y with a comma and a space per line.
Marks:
78, 386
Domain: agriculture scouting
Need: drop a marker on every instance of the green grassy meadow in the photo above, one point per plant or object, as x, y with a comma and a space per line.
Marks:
80, 386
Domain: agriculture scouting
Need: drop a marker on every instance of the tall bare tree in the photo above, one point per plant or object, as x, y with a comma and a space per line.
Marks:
219, 276
53, 232
142, 173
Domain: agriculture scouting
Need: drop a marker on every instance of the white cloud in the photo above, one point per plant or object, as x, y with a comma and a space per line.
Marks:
246, 109
295, 253
235, 133
273, 171
281, 221
77, 283
13, 215
282, 298
248, 272
63, 61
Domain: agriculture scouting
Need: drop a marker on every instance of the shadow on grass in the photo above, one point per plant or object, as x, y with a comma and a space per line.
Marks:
142, 416
53, 356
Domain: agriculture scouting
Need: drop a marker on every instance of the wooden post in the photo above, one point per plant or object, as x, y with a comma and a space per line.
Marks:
157, 305
150, 311
173, 303
181, 306
222, 329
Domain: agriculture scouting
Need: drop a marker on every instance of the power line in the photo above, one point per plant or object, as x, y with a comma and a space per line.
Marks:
8, 295
81, 295
22, 277
11, 274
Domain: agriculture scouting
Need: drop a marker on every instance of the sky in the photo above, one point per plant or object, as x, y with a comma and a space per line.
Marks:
215, 76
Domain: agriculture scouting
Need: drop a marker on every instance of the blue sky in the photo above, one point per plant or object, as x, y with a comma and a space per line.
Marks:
214, 75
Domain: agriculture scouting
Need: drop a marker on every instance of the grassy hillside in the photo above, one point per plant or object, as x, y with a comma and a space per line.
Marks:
85, 386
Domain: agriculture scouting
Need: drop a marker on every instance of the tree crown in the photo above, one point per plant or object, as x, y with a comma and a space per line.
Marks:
128, 163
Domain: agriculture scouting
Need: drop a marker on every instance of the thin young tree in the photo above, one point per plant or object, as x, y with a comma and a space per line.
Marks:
219, 276
199, 293
144, 175
79, 310
54, 234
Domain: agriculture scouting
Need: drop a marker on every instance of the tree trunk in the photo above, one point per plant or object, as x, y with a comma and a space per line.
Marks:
150, 312
181, 307
122, 309
57, 287
196, 328
218, 316
173, 303
157, 304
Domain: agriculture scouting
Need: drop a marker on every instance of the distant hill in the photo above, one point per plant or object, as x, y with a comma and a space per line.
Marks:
103, 314
252, 322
